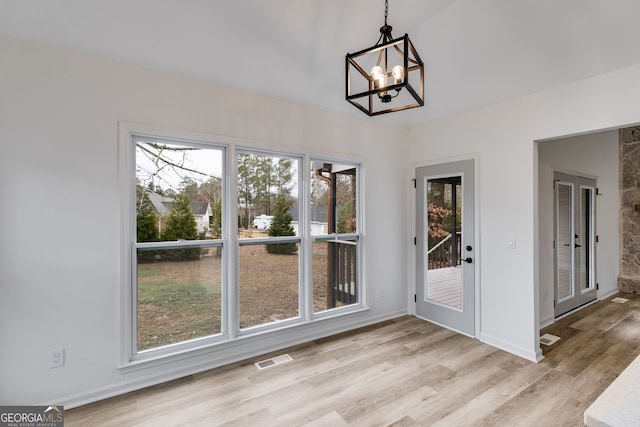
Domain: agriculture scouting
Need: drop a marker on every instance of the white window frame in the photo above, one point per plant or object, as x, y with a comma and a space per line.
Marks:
357, 236
130, 359
128, 294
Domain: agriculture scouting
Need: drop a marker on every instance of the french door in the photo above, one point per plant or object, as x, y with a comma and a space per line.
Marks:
574, 242
445, 289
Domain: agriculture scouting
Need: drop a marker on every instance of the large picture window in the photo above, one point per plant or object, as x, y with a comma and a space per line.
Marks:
225, 241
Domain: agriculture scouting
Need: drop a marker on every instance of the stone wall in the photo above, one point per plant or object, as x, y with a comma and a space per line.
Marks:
629, 280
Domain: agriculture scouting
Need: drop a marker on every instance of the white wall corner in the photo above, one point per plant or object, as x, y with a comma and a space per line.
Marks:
534, 355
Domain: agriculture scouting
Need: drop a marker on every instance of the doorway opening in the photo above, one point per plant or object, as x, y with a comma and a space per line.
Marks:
594, 156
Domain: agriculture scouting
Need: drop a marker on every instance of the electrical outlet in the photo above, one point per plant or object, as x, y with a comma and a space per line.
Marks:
56, 358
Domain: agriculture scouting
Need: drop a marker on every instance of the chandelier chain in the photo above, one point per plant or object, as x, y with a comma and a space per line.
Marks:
386, 11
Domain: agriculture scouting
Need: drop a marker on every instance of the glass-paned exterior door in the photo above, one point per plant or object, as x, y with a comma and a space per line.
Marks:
574, 242
445, 245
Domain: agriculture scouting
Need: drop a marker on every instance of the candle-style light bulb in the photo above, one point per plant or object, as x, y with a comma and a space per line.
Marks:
378, 77
398, 74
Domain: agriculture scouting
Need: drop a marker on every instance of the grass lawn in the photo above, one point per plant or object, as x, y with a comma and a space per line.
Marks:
181, 300
178, 301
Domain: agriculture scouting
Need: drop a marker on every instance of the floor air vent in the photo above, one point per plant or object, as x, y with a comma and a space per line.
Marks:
619, 300
274, 361
548, 339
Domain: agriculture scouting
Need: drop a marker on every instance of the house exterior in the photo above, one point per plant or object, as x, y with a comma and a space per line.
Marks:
201, 211
162, 208
319, 222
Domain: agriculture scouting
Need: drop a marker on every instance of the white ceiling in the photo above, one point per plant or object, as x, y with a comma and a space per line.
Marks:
476, 52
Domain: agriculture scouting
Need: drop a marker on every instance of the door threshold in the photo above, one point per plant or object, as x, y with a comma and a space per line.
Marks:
563, 315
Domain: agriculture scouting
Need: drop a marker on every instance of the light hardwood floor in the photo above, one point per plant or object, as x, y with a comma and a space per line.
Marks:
404, 372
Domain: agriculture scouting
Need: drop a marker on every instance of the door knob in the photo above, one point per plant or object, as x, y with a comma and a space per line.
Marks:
467, 260
578, 246
468, 247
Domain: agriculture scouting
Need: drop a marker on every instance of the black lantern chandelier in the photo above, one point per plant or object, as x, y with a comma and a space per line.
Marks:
393, 65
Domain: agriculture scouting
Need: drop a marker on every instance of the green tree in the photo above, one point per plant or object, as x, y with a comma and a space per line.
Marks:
211, 190
262, 183
346, 221
260, 179
215, 224
345, 188
246, 173
189, 187
146, 222
181, 225
281, 226
282, 174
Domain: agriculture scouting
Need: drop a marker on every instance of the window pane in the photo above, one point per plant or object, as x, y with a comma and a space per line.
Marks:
178, 197
335, 278
267, 196
269, 278
333, 198
443, 274
585, 248
179, 295
334, 209
564, 252
178, 191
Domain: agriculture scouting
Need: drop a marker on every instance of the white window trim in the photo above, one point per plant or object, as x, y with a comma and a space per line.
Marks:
131, 361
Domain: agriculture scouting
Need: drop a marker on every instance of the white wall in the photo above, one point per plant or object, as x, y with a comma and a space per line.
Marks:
60, 247
503, 135
592, 155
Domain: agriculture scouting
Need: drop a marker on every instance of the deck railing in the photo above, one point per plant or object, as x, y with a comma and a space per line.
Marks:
343, 273
443, 255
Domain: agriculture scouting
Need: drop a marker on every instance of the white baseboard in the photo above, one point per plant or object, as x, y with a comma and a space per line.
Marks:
501, 344
300, 334
534, 356
608, 294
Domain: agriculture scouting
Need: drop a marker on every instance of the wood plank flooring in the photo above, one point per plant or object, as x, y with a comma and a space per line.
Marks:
404, 372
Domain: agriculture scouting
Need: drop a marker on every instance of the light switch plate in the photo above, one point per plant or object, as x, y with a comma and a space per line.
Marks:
511, 242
